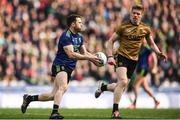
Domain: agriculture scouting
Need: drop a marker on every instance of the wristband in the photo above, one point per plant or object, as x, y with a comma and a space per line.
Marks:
159, 53
109, 56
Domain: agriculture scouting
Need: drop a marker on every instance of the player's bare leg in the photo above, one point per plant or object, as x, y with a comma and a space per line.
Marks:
148, 90
49, 96
27, 99
61, 82
119, 89
137, 83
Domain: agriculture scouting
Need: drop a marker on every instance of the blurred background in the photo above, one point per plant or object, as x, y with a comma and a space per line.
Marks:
29, 31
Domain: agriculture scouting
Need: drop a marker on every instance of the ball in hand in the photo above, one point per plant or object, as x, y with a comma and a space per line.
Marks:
103, 59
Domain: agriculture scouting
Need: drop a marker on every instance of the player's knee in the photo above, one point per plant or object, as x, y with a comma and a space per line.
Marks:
123, 83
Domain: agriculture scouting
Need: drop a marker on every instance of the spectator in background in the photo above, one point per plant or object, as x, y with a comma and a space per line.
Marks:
27, 24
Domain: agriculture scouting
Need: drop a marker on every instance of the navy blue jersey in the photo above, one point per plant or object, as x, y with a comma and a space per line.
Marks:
67, 38
143, 58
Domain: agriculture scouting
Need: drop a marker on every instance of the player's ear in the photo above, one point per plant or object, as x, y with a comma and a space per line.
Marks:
73, 24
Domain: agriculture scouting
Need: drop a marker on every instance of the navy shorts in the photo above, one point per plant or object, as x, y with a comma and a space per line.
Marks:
58, 68
142, 71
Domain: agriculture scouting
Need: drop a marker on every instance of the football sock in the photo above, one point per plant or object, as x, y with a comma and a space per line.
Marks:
33, 98
104, 87
55, 108
115, 107
134, 102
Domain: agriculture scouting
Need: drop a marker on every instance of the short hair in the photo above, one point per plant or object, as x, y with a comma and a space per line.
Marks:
138, 7
72, 18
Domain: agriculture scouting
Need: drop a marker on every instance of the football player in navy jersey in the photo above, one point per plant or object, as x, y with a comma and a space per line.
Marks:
70, 49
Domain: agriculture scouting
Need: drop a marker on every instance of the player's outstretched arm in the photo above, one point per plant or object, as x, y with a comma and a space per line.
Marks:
152, 44
84, 51
109, 49
155, 63
74, 55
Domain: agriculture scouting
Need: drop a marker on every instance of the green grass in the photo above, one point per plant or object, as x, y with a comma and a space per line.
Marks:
91, 113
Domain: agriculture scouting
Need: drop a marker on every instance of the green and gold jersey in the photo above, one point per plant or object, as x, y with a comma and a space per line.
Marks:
131, 38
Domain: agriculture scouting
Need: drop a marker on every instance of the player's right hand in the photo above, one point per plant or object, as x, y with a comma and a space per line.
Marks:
111, 61
94, 59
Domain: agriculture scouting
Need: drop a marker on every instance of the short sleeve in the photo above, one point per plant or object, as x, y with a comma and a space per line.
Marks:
65, 41
148, 32
119, 30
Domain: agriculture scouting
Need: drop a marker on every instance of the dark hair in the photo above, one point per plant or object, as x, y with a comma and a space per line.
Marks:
138, 7
72, 18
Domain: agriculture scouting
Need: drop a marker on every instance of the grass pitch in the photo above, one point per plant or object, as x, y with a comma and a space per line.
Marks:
91, 113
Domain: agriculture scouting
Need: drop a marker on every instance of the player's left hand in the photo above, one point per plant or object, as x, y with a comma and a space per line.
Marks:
162, 56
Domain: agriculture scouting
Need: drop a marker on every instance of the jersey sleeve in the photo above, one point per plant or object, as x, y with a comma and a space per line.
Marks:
66, 41
148, 32
119, 30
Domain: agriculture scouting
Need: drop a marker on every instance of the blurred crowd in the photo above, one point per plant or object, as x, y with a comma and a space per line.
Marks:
29, 31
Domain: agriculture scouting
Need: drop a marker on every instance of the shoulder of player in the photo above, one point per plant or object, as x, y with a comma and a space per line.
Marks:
122, 25
67, 33
125, 23
146, 27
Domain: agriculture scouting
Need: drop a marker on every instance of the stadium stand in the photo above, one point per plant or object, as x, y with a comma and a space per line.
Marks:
29, 30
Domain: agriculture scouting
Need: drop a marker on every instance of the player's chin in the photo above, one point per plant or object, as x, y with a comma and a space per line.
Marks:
135, 19
79, 29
